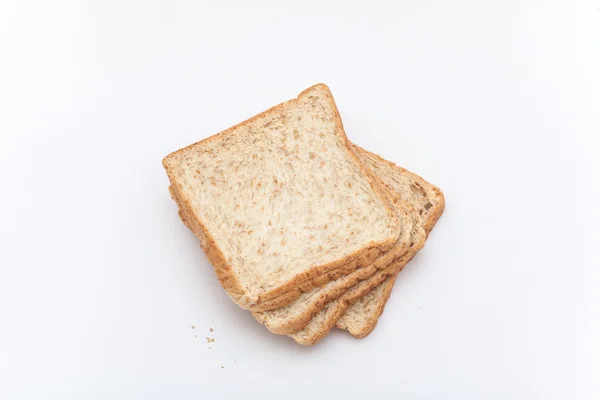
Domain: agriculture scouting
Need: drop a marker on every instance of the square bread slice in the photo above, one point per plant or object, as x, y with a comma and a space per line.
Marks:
359, 309
280, 202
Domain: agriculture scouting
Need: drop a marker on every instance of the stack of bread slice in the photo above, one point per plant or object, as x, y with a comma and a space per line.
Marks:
304, 229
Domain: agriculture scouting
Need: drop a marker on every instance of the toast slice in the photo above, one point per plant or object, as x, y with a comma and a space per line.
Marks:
361, 317
280, 202
358, 309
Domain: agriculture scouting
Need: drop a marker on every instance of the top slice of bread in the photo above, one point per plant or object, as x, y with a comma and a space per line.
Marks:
281, 199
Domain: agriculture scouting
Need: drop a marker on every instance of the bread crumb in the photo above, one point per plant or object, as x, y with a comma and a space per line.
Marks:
211, 329
193, 327
210, 340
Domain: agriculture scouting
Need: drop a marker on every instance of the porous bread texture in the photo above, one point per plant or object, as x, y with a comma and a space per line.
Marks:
295, 316
280, 201
361, 317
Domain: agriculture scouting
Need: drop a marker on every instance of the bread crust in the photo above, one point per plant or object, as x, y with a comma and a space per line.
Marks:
429, 222
341, 305
363, 331
293, 288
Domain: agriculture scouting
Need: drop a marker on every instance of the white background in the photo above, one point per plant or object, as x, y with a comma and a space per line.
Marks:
496, 102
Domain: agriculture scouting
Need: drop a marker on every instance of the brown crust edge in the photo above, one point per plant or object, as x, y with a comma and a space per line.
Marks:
389, 284
215, 255
345, 301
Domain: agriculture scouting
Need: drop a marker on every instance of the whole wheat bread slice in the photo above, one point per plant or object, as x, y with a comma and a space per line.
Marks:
361, 317
358, 309
280, 202
296, 316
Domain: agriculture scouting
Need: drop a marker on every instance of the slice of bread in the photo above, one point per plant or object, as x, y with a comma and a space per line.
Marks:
361, 317
280, 202
358, 309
